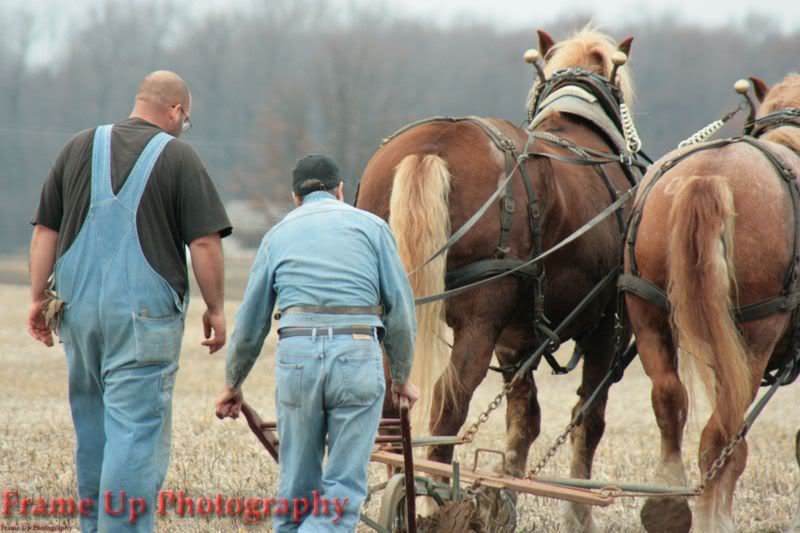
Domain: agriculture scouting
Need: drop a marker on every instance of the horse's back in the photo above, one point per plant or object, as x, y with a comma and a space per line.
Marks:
474, 162
764, 218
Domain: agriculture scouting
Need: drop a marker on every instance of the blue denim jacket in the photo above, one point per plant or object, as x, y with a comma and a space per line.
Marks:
328, 253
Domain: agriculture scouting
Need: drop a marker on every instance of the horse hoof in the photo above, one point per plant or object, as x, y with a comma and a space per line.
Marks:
497, 511
666, 515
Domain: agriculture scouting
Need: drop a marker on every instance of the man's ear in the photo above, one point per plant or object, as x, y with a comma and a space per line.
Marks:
340, 191
297, 200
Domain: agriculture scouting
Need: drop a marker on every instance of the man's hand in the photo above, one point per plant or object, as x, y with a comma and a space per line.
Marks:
229, 402
37, 326
42, 259
406, 390
209, 271
214, 320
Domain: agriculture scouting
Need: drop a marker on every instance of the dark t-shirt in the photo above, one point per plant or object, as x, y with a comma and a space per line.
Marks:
179, 203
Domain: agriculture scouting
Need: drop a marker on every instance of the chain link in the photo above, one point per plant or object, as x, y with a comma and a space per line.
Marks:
711, 129
629, 129
703, 134
720, 461
469, 434
553, 449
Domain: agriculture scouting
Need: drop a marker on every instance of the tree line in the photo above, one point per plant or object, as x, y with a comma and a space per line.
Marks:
290, 77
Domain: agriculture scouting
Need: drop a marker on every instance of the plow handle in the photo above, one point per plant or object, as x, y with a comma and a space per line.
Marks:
408, 464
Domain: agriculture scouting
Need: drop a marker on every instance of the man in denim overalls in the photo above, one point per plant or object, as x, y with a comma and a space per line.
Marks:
120, 205
342, 288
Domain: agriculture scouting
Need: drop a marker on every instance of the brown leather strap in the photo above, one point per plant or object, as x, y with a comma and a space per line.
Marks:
742, 313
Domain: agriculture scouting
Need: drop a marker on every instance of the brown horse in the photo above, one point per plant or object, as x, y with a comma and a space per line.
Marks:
716, 231
433, 177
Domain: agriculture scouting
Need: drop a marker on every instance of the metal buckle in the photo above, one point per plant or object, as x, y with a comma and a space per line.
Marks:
506, 144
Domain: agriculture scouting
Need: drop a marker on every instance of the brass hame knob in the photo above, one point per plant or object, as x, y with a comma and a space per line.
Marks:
741, 86
619, 58
532, 56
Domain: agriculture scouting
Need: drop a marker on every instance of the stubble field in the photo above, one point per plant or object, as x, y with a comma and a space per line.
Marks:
211, 457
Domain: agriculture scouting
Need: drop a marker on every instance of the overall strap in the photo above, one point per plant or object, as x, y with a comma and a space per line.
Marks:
131, 192
101, 165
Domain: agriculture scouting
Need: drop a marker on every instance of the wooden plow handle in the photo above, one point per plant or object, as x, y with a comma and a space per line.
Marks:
266, 435
408, 467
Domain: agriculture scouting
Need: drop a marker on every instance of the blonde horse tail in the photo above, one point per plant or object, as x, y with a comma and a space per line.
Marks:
701, 279
420, 220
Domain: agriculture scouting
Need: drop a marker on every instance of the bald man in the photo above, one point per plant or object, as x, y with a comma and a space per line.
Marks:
116, 212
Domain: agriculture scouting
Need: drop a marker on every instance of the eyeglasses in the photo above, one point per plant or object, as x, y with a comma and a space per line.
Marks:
187, 124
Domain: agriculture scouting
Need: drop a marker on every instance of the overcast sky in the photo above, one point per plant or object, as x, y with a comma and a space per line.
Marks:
53, 16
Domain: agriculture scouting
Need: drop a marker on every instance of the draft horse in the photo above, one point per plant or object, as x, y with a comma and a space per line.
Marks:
433, 176
712, 271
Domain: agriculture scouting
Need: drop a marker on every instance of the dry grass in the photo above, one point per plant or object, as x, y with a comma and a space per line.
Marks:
211, 457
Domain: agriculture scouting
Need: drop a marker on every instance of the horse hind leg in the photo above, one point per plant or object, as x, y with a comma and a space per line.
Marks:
670, 405
523, 418
714, 509
598, 348
469, 363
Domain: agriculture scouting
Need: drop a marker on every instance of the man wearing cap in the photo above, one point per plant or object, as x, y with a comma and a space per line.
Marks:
342, 289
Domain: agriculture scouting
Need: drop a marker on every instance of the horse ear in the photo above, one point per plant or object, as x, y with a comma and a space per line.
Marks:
545, 42
625, 45
760, 87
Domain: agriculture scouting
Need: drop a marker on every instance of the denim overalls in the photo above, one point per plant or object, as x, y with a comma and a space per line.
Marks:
122, 331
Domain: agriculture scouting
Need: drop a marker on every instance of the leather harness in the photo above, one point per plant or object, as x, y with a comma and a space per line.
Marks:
609, 98
789, 299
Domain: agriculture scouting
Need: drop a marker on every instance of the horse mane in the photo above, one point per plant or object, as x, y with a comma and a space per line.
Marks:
592, 50
785, 94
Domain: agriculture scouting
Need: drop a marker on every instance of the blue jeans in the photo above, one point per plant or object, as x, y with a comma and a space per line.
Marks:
326, 385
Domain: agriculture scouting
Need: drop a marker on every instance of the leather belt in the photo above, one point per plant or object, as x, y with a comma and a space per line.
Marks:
322, 331
332, 310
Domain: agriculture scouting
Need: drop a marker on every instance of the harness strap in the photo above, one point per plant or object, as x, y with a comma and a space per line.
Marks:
742, 313
600, 217
789, 117
765, 308
501, 141
507, 207
644, 289
534, 210
487, 268
600, 158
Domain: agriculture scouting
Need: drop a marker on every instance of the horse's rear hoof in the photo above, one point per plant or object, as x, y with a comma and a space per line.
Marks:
666, 515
